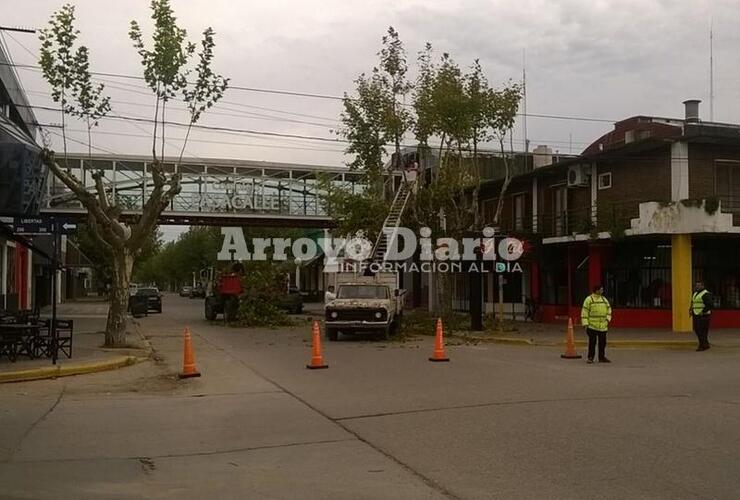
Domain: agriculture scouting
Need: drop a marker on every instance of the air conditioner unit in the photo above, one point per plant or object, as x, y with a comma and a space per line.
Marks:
578, 176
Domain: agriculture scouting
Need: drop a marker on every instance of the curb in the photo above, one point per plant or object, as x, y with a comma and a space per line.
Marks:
647, 344
67, 370
494, 340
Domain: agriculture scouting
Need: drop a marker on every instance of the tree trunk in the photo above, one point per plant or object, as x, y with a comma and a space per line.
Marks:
443, 307
115, 331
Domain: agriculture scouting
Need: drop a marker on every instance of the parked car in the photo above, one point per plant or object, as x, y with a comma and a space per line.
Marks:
197, 292
152, 296
292, 301
185, 291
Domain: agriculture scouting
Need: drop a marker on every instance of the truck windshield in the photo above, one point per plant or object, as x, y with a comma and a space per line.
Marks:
362, 292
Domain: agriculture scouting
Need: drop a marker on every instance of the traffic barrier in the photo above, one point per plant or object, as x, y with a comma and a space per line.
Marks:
439, 344
188, 357
317, 359
570, 343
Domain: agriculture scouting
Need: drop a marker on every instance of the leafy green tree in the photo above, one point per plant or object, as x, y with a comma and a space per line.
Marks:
452, 114
264, 285
373, 117
90, 102
165, 71
57, 61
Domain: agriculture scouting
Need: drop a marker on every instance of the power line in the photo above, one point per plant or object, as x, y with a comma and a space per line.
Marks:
17, 29
205, 141
330, 97
247, 131
234, 114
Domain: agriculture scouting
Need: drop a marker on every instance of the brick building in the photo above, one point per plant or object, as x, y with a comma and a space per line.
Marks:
646, 209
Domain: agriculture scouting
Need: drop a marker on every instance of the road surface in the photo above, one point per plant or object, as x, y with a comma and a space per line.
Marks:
382, 422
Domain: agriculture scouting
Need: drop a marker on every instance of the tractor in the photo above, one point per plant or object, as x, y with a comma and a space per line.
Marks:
222, 292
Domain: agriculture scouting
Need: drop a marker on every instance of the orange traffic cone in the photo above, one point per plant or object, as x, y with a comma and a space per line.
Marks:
570, 343
188, 358
439, 344
317, 359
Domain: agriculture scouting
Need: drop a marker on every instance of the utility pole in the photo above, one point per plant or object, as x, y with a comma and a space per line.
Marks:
711, 70
524, 99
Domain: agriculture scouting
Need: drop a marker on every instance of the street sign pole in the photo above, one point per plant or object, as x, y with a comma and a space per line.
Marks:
55, 280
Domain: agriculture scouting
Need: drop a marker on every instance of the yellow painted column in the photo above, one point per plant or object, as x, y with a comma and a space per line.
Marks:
681, 282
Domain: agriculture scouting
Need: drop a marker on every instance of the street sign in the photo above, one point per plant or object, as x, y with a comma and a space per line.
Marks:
65, 226
43, 225
33, 225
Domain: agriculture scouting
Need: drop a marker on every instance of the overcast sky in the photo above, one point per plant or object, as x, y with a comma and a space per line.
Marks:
606, 59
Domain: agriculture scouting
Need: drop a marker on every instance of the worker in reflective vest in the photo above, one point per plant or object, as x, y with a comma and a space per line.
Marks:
701, 311
596, 314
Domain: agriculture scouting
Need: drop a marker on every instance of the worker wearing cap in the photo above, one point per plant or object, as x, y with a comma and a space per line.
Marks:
701, 312
596, 314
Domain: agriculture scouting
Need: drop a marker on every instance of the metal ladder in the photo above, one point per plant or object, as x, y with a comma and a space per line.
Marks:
392, 222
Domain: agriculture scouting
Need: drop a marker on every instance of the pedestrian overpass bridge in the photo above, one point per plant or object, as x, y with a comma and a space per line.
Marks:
214, 191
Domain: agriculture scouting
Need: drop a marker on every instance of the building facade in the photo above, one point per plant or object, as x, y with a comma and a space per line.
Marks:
645, 210
22, 178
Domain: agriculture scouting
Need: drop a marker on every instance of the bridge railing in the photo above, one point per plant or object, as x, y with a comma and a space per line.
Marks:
208, 188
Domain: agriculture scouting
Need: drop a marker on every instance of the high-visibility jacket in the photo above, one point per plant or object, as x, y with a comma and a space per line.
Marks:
698, 307
596, 313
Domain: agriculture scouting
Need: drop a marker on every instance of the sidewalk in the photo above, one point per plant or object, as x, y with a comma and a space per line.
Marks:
88, 355
553, 334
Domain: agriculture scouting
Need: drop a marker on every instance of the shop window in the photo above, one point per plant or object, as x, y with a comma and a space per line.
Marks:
519, 212
554, 277
716, 264
639, 276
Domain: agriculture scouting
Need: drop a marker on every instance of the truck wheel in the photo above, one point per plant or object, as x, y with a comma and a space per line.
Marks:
210, 310
332, 334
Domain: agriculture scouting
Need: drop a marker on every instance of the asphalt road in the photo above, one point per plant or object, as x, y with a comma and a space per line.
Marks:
382, 422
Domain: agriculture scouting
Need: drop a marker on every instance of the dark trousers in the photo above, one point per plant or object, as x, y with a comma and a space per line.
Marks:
593, 338
701, 329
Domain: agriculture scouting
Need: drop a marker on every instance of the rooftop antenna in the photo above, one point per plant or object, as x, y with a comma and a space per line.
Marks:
524, 98
711, 70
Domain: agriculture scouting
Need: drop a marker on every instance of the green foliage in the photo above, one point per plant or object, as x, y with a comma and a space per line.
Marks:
264, 285
57, 58
170, 52
91, 103
373, 117
711, 205
457, 110
67, 70
166, 68
176, 261
358, 212
364, 124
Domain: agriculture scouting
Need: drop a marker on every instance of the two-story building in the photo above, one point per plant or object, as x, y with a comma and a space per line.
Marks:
22, 178
646, 209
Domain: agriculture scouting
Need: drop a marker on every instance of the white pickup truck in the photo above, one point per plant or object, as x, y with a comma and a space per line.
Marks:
364, 304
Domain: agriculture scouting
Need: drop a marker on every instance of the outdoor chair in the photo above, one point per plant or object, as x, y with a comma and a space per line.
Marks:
65, 329
42, 347
44, 343
7, 345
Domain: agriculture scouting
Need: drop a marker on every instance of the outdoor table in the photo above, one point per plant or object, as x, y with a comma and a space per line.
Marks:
19, 338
